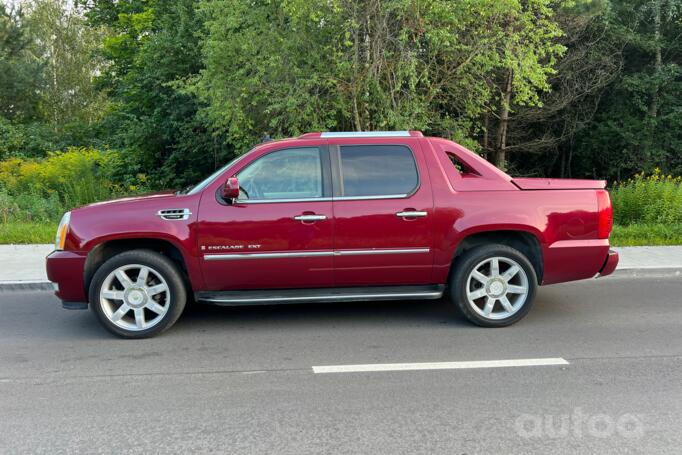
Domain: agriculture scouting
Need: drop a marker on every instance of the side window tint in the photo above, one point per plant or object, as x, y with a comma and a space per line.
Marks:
286, 174
378, 170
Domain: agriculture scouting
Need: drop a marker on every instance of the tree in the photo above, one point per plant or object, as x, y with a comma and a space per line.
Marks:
20, 68
153, 47
289, 66
525, 60
637, 126
66, 47
542, 137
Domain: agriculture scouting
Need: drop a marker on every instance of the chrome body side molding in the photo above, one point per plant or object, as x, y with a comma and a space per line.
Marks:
305, 254
381, 251
293, 254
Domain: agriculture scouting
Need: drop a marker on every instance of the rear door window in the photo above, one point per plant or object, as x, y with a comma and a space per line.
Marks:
377, 170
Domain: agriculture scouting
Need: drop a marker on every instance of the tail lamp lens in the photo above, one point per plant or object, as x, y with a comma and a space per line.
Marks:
605, 210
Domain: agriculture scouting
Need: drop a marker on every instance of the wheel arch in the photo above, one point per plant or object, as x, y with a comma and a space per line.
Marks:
524, 241
106, 249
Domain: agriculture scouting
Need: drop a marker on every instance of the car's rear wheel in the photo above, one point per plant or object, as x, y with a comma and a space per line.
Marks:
493, 285
138, 294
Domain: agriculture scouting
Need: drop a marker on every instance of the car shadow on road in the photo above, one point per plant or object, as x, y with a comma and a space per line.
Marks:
550, 303
413, 312
59, 324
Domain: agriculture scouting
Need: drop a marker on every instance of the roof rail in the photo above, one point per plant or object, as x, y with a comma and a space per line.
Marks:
350, 134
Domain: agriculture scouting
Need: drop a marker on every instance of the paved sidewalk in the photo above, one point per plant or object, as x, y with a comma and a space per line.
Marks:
24, 265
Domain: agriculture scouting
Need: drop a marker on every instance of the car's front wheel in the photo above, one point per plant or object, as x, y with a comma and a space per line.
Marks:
493, 285
138, 294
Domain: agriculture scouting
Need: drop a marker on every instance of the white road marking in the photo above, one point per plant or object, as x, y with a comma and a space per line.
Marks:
439, 365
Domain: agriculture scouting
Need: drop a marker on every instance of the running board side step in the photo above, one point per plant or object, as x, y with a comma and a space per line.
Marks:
355, 294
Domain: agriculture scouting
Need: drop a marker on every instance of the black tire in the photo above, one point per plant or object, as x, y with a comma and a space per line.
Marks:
159, 264
464, 266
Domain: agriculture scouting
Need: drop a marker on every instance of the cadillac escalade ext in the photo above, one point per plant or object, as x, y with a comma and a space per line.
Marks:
330, 217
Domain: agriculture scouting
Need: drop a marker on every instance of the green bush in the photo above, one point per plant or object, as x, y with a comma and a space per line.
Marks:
41, 190
648, 199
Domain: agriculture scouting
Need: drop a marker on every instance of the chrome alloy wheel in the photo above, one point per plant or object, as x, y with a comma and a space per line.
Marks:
135, 297
497, 288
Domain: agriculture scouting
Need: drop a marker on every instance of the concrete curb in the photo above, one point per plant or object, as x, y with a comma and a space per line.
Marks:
644, 272
647, 272
26, 286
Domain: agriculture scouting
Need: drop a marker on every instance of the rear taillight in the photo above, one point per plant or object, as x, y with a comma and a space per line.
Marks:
605, 214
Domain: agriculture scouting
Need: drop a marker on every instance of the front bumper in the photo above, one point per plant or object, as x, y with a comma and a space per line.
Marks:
610, 263
66, 269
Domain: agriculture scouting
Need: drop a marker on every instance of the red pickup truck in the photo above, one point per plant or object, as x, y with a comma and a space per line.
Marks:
329, 217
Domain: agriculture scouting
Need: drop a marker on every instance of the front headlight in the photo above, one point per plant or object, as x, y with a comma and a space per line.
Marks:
63, 228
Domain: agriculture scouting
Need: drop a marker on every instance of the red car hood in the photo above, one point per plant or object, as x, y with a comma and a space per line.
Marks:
558, 184
142, 197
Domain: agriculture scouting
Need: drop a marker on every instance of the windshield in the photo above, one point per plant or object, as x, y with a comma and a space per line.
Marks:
208, 180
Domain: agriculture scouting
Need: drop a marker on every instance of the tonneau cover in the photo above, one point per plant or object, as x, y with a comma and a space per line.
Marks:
558, 184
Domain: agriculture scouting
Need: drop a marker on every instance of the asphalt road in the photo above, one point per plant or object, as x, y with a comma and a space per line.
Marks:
240, 380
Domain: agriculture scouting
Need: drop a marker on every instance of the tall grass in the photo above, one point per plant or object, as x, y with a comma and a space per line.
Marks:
42, 190
648, 199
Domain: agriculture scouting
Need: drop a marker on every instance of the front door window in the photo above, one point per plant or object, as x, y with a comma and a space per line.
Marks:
286, 174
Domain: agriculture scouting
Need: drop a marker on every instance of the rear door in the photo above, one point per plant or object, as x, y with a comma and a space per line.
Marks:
383, 210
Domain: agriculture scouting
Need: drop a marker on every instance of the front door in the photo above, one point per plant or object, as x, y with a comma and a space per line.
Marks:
279, 232
383, 210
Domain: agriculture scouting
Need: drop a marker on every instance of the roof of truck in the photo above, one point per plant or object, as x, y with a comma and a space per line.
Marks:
350, 134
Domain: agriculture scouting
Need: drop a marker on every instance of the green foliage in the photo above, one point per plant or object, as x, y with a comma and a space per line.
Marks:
647, 234
637, 125
154, 45
66, 49
20, 72
586, 88
27, 232
289, 66
652, 199
44, 189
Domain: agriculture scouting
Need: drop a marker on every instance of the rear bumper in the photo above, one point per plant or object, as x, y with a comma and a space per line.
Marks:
610, 264
65, 268
570, 260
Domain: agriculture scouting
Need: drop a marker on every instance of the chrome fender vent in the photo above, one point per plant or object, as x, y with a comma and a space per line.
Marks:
174, 214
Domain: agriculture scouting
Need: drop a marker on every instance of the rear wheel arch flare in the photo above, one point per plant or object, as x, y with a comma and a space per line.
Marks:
523, 241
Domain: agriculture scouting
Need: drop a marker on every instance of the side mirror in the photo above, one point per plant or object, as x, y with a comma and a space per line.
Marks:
231, 189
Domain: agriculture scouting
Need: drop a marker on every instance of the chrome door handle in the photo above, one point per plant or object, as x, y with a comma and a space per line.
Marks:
310, 217
411, 214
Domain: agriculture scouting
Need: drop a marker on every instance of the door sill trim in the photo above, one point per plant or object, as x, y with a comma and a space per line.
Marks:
353, 294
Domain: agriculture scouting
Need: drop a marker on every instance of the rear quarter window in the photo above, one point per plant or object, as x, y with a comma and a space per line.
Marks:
377, 170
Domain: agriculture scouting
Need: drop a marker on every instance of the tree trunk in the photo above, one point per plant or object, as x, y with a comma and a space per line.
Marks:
568, 163
486, 136
500, 152
356, 112
563, 164
658, 60
356, 72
